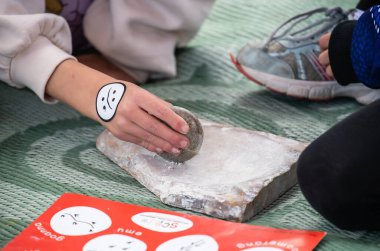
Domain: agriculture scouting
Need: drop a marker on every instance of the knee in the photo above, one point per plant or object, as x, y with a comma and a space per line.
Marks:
328, 183
339, 172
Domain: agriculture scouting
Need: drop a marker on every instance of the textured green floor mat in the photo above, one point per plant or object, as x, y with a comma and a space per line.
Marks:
46, 150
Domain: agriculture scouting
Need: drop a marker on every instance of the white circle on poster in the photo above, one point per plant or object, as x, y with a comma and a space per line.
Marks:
190, 242
263, 249
76, 221
114, 242
164, 223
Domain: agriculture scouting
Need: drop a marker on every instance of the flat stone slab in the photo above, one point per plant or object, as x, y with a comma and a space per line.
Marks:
234, 176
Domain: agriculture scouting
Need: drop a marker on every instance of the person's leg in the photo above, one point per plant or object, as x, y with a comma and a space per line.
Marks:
339, 173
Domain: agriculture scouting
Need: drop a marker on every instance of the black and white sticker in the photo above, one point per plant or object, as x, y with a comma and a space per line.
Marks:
108, 99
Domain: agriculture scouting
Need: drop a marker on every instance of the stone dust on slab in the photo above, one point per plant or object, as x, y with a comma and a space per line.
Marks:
236, 173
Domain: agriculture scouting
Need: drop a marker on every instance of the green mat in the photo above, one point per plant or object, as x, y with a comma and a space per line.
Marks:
47, 150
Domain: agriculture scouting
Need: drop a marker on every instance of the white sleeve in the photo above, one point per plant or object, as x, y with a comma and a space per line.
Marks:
33, 44
141, 36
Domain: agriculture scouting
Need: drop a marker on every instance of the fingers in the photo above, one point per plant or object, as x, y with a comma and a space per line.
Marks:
324, 57
324, 41
140, 142
157, 128
144, 119
329, 71
161, 110
324, 60
133, 133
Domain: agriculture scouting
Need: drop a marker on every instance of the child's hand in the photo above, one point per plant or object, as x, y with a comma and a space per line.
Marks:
324, 56
128, 111
140, 118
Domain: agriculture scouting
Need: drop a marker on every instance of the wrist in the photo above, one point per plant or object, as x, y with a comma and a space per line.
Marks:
77, 86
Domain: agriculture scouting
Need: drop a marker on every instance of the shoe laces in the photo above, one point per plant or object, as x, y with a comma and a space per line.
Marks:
287, 31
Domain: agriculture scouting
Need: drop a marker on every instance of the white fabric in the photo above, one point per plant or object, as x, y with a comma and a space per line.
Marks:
138, 36
32, 45
141, 36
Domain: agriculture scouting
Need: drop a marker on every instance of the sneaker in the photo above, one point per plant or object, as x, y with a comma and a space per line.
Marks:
287, 62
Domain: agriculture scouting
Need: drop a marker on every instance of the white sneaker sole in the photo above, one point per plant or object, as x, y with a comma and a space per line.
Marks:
312, 90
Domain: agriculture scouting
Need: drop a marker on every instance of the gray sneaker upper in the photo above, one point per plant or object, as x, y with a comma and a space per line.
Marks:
292, 50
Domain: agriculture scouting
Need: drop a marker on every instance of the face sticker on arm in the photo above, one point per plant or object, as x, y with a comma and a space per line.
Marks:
108, 99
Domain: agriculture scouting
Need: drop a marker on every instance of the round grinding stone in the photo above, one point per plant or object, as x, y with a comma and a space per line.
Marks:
195, 136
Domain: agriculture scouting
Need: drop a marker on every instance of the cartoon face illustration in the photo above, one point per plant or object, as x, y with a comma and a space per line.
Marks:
108, 99
190, 243
75, 221
114, 242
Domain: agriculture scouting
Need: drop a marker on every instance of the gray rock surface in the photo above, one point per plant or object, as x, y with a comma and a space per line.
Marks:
234, 176
195, 136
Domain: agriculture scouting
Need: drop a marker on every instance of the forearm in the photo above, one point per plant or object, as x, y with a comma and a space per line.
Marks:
136, 116
77, 85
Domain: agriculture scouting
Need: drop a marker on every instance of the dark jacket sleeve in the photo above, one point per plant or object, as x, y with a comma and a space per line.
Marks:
365, 48
366, 4
340, 53
354, 50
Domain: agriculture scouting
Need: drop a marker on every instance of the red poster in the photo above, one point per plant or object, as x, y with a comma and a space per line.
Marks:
78, 222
